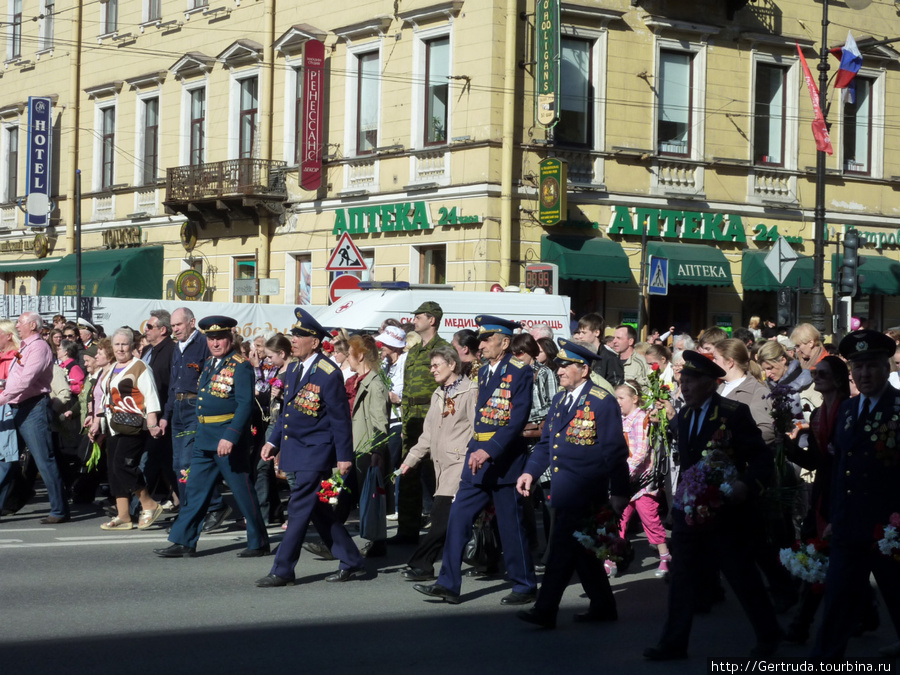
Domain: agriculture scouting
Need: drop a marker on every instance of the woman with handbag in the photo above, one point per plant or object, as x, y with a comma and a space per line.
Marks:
445, 435
131, 407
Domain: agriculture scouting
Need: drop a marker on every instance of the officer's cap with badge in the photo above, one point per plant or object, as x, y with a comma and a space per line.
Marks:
697, 364
864, 345
570, 352
216, 326
489, 325
306, 325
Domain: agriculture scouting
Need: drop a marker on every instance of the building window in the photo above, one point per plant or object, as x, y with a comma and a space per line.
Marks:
769, 119
298, 114
150, 147
110, 17
197, 4
15, 41
674, 111
432, 264
12, 165
107, 147
244, 268
576, 101
154, 10
437, 89
304, 280
857, 128
368, 97
247, 117
48, 7
197, 126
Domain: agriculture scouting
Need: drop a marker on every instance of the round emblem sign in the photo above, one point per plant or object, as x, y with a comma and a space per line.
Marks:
41, 246
189, 236
189, 285
549, 192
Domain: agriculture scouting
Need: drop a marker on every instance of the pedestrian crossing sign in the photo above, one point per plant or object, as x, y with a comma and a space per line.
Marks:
659, 276
346, 257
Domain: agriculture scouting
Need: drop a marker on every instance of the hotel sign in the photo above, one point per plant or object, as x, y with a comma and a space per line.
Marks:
40, 128
311, 154
547, 56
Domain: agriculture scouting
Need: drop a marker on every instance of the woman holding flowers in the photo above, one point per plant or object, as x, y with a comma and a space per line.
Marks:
635, 424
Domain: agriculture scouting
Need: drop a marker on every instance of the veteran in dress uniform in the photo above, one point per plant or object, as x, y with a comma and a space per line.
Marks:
221, 444
583, 444
706, 422
865, 494
494, 461
311, 436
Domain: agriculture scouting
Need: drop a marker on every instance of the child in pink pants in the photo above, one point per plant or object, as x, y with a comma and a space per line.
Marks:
640, 459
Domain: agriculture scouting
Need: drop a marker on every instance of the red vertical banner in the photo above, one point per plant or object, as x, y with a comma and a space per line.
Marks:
819, 127
313, 78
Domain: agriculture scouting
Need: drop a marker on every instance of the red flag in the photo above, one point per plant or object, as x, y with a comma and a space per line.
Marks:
819, 128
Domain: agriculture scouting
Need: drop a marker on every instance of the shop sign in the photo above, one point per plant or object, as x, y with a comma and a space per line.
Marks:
14, 246
403, 217
677, 224
552, 198
723, 321
190, 285
122, 237
40, 245
879, 239
40, 126
313, 77
546, 47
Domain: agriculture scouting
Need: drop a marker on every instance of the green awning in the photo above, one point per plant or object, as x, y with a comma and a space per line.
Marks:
755, 276
693, 264
586, 258
117, 273
33, 265
877, 275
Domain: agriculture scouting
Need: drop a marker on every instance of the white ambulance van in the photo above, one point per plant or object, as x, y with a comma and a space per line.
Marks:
365, 310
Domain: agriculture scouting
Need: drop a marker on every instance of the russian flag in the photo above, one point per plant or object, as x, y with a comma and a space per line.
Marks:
851, 62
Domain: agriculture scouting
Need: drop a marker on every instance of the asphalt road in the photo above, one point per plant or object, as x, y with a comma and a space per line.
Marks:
75, 599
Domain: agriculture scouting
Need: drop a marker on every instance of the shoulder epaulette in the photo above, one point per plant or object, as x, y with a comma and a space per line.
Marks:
325, 365
729, 404
238, 358
514, 362
598, 392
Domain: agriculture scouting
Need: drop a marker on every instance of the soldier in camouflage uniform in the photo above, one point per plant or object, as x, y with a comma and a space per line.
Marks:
418, 386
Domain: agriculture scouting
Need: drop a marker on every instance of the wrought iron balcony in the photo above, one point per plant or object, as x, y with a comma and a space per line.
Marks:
259, 178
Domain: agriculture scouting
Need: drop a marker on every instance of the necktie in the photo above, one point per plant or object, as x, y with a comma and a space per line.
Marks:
569, 400
865, 410
299, 371
696, 422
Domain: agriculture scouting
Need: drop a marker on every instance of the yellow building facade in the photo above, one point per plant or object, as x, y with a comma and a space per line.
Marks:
188, 121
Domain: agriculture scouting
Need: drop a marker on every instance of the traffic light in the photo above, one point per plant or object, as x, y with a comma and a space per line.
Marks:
850, 263
785, 314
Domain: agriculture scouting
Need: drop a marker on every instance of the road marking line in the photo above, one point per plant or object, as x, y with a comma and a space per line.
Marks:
28, 529
10, 541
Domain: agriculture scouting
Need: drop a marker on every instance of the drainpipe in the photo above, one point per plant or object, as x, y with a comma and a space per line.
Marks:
72, 132
266, 119
506, 167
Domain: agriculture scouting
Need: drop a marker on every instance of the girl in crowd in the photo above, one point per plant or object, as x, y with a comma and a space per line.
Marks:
661, 356
640, 464
9, 445
548, 353
278, 353
739, 384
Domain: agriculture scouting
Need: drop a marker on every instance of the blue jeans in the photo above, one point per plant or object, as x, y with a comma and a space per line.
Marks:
32, 420
183, 428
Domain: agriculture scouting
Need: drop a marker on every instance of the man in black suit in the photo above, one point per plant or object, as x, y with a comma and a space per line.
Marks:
709, 421
864, 495
157, 459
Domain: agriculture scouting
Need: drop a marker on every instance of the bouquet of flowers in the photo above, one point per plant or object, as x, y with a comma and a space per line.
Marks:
704, 488
331, 488
94, 459
808, 562
782, 397
888, 537
600, 536
658, 430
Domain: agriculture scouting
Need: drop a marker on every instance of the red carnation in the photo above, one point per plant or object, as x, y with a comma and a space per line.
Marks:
654, 366
335, 333
379, 344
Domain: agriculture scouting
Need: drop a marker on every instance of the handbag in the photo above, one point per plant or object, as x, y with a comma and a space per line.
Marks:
125, 423
533, 429
373, 506
483, 550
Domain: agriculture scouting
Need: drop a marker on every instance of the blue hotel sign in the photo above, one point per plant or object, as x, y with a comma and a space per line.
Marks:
40, 128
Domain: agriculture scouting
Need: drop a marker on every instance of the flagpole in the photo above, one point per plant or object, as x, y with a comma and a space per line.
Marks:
818, 291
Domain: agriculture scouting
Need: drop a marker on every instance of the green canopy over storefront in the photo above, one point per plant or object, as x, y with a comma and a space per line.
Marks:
877, 275
586, 258
35, 264
693, 264
117, 273
755, 276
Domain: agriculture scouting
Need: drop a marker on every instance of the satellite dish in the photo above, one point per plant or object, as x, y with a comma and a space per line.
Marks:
858, 4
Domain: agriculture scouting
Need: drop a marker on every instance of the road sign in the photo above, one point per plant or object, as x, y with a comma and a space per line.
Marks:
341, 285
781, 259
346, 257
659, 276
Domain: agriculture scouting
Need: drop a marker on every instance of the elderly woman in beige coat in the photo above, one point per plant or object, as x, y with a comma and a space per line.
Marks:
446, 435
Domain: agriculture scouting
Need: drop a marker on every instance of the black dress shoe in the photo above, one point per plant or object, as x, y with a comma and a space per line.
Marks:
347, 574
319, 549
664, 653
374, 549
215, 519
595, 617
54, 520
273, 581
516, 598
254, 552
476, 573
404, 539
541, 619
417, 574
176, 551
439, 592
